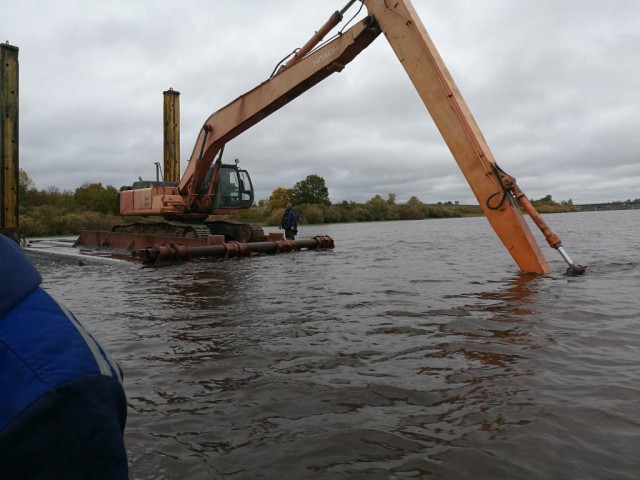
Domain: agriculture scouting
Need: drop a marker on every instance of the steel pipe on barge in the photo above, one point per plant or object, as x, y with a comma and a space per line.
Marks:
159, 254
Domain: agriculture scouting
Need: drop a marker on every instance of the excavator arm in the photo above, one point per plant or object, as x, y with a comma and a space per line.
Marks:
406, 34
431, 78
245, 111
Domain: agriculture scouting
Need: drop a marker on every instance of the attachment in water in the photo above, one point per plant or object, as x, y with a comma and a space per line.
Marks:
574, 269
509, 185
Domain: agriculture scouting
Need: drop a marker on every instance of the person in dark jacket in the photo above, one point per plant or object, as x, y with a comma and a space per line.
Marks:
62, 405
289, 222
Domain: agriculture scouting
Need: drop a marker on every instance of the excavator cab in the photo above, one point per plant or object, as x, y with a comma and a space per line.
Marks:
233, 190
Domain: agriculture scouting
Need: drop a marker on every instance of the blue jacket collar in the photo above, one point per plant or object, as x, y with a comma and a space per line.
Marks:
18, 277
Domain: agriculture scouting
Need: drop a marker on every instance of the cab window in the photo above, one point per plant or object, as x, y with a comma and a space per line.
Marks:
229, 185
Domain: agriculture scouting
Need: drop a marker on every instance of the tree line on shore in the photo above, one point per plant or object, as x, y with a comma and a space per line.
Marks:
93, 206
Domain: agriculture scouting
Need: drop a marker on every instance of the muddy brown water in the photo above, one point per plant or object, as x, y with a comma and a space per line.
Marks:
413, 350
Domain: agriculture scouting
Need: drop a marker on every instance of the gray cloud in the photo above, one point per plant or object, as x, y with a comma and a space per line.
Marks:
551, 84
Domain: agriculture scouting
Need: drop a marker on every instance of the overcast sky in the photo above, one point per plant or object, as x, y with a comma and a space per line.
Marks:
554, 86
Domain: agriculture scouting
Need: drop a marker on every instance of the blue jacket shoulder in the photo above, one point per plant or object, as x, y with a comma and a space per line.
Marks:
19, 276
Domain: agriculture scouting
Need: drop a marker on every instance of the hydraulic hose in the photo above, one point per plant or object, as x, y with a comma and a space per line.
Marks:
510, 186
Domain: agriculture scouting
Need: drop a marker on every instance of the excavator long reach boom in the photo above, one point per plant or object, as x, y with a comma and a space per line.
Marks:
400, 24
245, 111
426, 69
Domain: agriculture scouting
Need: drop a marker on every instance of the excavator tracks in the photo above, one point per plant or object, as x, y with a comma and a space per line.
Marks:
232, 231
239, 232
165, 229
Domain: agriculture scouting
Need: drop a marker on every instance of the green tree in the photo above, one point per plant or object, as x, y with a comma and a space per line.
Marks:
312, 190
548, 200
279, 198
361, 214
414, 209
275, 217
96, 198
332, 214
392, 199
312, 215
24, 182
378, 208
26, 189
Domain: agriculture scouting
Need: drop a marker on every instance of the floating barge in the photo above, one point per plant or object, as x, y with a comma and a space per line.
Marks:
152, 250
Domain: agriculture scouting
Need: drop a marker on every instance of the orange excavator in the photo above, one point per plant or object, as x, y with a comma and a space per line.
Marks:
210, 187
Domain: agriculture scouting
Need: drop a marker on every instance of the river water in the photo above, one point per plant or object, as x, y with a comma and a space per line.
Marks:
413, 350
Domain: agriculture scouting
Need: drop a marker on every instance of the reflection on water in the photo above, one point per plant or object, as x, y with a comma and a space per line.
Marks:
377, 360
